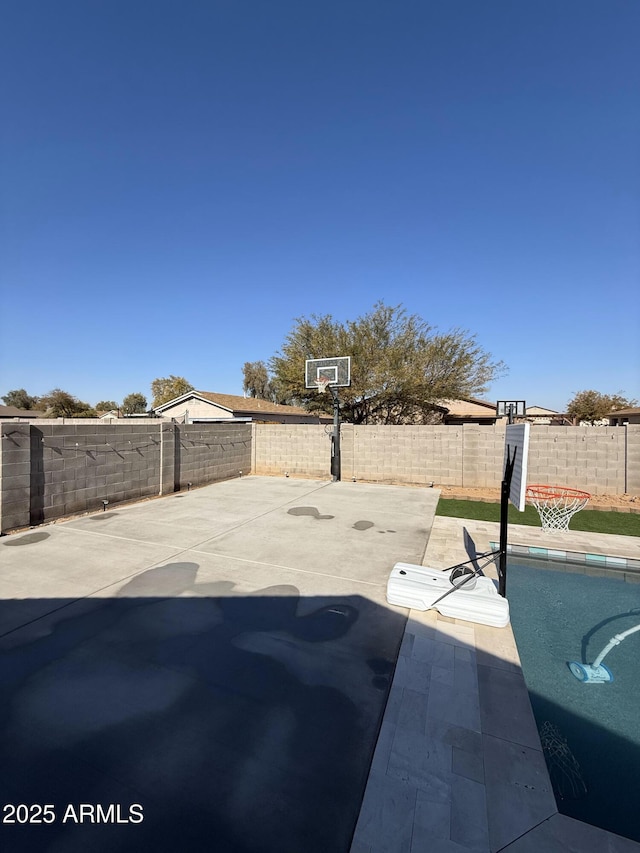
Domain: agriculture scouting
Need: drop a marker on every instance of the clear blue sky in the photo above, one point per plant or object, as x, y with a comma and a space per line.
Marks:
180, 180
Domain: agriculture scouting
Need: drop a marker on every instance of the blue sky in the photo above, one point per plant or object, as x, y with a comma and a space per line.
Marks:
181, 180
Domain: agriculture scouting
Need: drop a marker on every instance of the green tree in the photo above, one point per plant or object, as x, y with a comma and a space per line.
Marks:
61, 404
134, 404
257, 382
169, 388
89, 412
20, 399
401, 367
617, 401
105, 405
592, 406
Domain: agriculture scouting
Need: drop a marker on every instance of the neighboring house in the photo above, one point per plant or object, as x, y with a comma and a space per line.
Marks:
623, 417
541, 415
111, 415
470, 411
12, 413
116, 414
483, 412
202, 406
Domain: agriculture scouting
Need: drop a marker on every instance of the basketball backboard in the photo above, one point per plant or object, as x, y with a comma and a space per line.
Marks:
336, 370
518, 408
516, 444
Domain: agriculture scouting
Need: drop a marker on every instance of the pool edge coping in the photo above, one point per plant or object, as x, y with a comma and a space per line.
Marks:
566, 556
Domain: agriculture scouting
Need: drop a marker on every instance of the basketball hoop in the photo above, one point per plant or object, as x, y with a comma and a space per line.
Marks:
333, 373
556, 504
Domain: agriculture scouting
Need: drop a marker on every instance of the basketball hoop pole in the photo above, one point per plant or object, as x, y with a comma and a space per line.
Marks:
335, 438
504, 520
333, 373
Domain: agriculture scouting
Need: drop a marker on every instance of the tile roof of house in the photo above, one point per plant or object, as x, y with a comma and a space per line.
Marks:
625, 412
14, 412
470, 408
250, 404
541, 410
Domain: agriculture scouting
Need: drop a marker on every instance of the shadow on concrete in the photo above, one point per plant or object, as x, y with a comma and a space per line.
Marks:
233, 722
470, 547
229, 722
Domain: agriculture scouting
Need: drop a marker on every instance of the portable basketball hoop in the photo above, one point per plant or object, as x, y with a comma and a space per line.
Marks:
556, 504
331, 373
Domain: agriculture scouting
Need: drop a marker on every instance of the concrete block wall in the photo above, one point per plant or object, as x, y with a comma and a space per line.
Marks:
207, 455
77, 466
169, 459
15, 473
300, 449
448, 455
50, 469
588, 458
601, 460
632, 460
402, 454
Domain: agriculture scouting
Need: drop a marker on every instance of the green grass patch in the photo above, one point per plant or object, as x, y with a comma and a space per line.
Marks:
590, 521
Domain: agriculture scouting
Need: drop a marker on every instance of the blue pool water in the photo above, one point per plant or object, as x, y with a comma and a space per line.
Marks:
590, 732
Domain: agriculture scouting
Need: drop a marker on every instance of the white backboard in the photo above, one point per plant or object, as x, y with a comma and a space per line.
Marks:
517, 441
336, 370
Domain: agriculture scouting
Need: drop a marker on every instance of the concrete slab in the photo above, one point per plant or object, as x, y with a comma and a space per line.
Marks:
209, 658
67, 565
336, 534
189, 518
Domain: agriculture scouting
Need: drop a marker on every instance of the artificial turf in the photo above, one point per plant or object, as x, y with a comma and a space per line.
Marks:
591, 521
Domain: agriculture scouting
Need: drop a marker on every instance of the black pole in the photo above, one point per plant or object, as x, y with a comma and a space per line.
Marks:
335, 438
504, 519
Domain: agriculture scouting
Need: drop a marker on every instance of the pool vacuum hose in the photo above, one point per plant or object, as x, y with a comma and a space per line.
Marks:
597, 672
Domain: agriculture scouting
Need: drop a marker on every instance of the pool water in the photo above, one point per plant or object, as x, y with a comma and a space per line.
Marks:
590, 732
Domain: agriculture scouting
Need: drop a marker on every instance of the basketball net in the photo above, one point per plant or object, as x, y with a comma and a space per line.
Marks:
556, 505
322, 385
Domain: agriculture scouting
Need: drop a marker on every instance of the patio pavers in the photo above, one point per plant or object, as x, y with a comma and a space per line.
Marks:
477, 782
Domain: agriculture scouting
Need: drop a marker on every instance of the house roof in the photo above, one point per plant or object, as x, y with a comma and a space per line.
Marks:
616, 413
470, 408
540, 410
14, 412
237, 404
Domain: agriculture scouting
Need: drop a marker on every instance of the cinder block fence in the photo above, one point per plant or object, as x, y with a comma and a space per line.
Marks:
600, 460
50, 469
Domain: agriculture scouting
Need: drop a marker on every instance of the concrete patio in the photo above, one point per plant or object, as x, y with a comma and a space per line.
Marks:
218, 659
222, 658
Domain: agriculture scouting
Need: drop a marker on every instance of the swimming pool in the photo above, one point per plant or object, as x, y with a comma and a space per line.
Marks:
590, 732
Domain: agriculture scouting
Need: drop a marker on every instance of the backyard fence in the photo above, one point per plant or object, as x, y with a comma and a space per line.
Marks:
600, 460
50, 469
